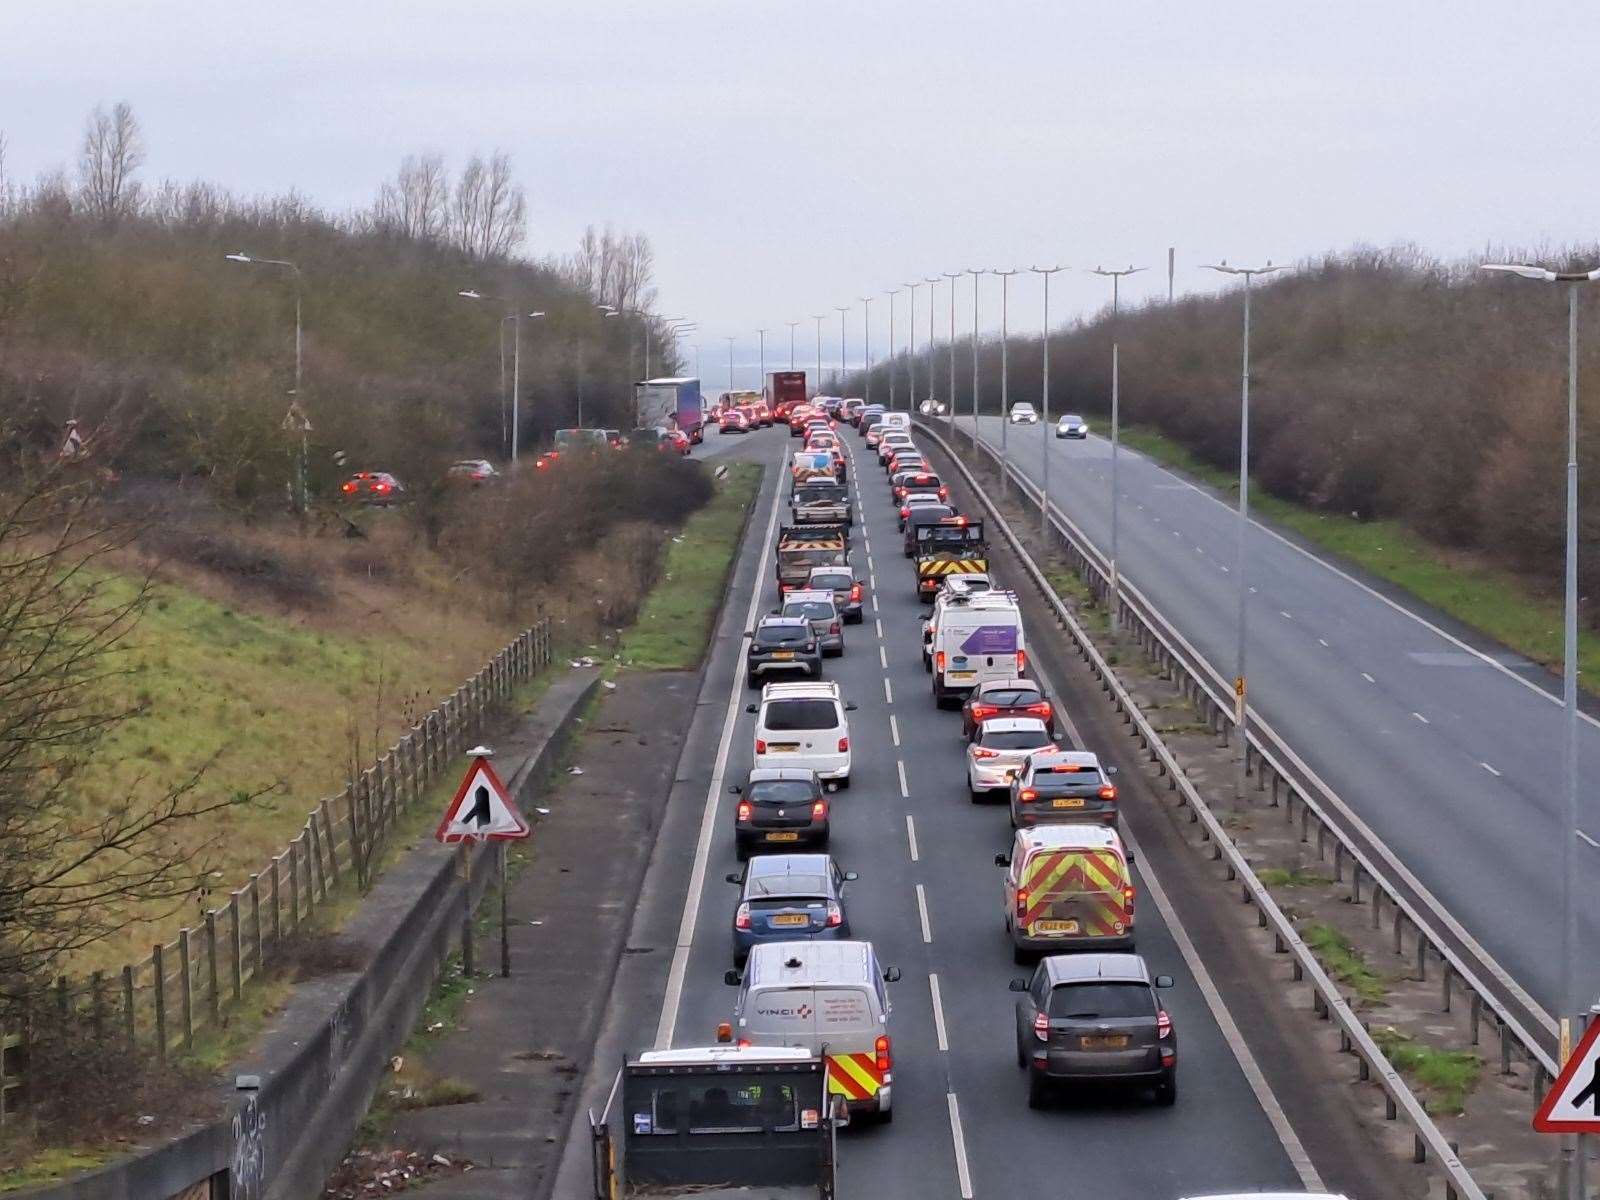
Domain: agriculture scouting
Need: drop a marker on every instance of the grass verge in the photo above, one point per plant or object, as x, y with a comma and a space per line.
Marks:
1446, 1076
1344, 962
1497, 602
1280, 877
670, 633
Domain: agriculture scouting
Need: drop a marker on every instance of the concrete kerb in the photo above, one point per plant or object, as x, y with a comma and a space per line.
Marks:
321, 1061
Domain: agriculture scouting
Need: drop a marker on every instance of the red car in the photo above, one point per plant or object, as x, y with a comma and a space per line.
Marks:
372, 487
733, 421
674, 441
1007, 698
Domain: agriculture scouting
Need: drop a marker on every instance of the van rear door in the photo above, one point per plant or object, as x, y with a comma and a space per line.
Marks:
782, 1016
1075, 893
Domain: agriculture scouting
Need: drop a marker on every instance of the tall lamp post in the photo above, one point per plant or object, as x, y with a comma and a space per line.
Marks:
516, 359
762, 382
1241, 709
952, 276
1573, 1005
729, 340
676, 330
791, 325
1116, 278
866, 344
891, 294
819, 318
911, 352
841, 310
300, 465
1005, 388
1044, 440
974, 272
933, 281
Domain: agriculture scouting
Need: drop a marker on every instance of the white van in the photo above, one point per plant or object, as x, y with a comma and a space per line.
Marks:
896, 420
825, 997
803, 725
975, 639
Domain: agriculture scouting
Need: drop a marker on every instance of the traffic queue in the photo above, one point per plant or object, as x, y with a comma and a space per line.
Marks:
1090, 1011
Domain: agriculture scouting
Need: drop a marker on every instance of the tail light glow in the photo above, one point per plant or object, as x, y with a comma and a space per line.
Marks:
835, 915
1027, 795
1041, 710
741, 917
938, 660
819, 809
1041, 1026
1108, 791
1163, 1024
349, 487
761, 746
844, 745
1022, 903
1127, 897
881, 1048
855, 591
980, 711
834, 628
1022, 661
745, 810
984, 752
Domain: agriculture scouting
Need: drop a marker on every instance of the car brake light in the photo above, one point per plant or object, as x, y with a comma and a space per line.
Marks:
881, 1048
835, 915
541, 464
1041, 1026
819, 809
938, 660
741, 918
981, 752
761, 746
1127, 897
1042, 709
855, 591
980, 711
944, 494
745, 810
349, 487
834, 628
1108, 792
1027, 795
844, 745
1163, 1024
1022, 903
905, 511
1022, 661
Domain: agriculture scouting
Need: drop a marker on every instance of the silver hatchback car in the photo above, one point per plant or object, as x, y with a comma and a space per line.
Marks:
817, 606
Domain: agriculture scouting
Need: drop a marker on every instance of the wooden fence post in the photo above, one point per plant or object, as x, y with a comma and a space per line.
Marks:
129, 1017
236, 943
277, 908
97, 1002
327, 834
161, 1004
185, 989
211, 967
255, 921
317, 882
294, 886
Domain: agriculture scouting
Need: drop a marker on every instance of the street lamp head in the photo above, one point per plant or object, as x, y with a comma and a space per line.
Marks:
469, 294
1543, 274
1225, 269
613, 313
240, 257
536, 314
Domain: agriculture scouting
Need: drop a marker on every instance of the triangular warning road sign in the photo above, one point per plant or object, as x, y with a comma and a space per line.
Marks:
1572, 1105
482, 809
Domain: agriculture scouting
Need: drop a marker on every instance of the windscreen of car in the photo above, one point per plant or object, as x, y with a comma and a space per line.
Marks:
787, 885
815, 610
1010, 697
1101, 1000
783, 635
929, 514
1072, 420
782, 791
838, 583
1063, 779
1014, 739
718, 1106
786, 715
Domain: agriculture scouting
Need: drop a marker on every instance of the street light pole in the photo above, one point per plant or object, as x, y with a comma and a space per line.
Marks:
791, 325
515, 318
762, 335
866, 344
1116, 278
932, 283
1005, 388
952, 276
911, 354
251, 260
975, 273
819, 318
841, 312
1044, 441
729, 340
891, 294
1241, 708
1573, 1005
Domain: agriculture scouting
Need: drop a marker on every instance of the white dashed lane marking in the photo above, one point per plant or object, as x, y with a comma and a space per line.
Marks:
1422, 718
900, 765
1490, 769
938, 1015
894, 729
911, 836
922, 914
1368, 678
888, 693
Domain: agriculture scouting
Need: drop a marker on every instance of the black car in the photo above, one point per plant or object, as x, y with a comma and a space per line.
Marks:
779, 808
923, 514
1087, 1018
782, 646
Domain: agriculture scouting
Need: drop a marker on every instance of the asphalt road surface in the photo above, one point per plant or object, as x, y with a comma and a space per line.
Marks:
929, 898
1449, 747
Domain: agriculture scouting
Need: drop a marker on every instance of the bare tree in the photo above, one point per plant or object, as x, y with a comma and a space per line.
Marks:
416, 203
615, 269
113, 149
489, 214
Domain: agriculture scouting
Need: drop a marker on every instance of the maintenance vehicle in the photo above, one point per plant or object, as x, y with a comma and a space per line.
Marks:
945, 548
820, 501
803, 547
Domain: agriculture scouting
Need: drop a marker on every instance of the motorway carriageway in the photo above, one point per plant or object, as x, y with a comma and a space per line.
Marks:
929, 899
1448, 748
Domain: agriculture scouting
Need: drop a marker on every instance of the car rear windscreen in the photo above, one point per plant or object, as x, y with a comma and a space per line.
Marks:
783, 715
781, 791
782, 635
1089, 1001
1015, 739
788, 885
837, 583
814, 610
1010, 697
1066, 780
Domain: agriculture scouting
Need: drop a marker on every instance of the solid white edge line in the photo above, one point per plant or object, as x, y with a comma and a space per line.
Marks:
905, 792
922, 915
938, 1014
894, 729
911, 837
1298, 1158
963, 1176
666, 1027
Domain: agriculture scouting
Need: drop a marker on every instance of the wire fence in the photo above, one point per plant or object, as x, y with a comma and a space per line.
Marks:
182, 987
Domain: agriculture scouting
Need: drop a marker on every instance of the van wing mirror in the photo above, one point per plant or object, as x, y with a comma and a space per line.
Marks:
891, 975
1163, 981
732, 978
1019, 985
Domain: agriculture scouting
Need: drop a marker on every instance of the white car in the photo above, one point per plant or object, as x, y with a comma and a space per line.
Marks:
891, 441
1072, 426
803, 725
1023, 414
931, 408
998, 750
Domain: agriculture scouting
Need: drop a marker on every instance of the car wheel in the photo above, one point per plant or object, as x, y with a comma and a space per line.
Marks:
884, 1116
977, 796
1038, 1091
1167, 1090
1022, 1054
843, 782
927, 664
741, 852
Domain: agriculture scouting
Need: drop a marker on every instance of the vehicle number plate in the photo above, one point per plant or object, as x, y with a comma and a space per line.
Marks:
960, 674
1067, 802
791, 919
1108, 1041
1055, 927
787, 836
790, 747
783, 654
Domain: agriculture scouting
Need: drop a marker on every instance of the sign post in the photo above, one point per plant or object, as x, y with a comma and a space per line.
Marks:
1238, 699
1572, 1105
482, 811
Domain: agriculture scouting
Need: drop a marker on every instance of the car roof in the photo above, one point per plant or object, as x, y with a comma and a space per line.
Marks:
910, 499
769, 774
1022, 404
690, 1055
1082, 837
1014, 724
784, 622
824, 689
1001, 685
1071, 417
1121, 968
787, 864
836, 569
1081, 758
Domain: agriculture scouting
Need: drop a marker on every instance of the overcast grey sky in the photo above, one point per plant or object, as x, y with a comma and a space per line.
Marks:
785, 158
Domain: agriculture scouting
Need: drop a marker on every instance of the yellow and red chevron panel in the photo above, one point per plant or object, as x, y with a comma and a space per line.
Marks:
952, 566
1094, 876
854, 1076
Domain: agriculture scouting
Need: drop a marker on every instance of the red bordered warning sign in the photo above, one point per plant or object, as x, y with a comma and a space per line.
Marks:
1572, 1105
482, 809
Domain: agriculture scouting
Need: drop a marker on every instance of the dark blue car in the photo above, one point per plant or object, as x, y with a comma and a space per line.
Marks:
785, 897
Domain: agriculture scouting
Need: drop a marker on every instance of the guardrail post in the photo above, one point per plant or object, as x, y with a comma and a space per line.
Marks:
1422, 956
1355, 883
319, 879
1377, 904
1475, 1011
1275, 782
1419, 1151
1444, 984
1305, 823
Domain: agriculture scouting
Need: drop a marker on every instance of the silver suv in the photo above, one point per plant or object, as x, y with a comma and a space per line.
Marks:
817, 606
